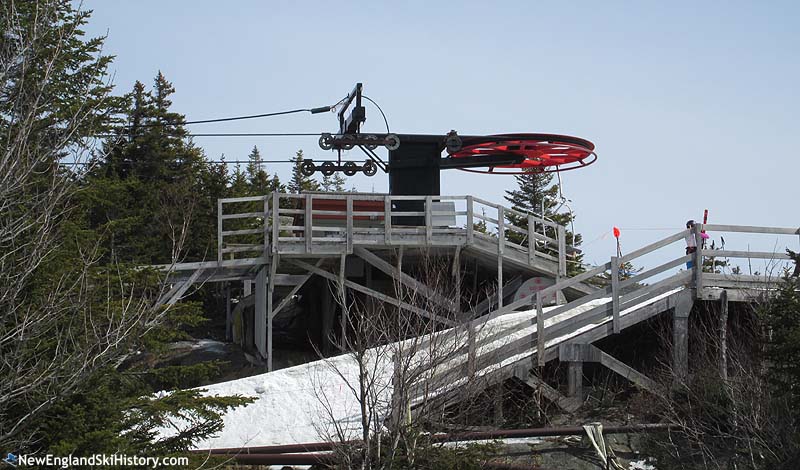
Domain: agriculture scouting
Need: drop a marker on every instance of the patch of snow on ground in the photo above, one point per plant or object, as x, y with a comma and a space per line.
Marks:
289, 402
640, 465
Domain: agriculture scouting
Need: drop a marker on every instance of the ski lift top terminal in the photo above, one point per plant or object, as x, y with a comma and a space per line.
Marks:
415, 160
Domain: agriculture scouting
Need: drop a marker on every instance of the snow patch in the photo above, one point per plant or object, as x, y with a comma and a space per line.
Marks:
299, 404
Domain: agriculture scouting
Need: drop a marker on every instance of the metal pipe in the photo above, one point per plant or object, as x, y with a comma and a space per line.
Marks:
283, 459
447, 437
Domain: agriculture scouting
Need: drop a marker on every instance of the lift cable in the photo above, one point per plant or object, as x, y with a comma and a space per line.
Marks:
237, 134
206, 161
321, 109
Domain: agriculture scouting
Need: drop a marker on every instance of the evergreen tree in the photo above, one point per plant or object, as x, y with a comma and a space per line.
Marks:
299, 181
258, 179
239, 186
538, 194
782, 315
334, 182
151, 184
72, 313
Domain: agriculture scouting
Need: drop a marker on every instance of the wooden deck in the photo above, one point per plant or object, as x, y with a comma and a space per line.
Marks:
306, 234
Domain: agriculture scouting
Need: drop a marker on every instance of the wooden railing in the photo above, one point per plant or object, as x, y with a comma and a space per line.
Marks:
333, 222
621, 293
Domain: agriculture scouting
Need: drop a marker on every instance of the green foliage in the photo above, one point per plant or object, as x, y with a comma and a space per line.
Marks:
299, 181
119, 414
538, 194
334, 182
53, 73
259, 181
782, 317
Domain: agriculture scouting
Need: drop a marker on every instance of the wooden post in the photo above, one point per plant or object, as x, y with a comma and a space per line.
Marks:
228, 313
470, 223
343, 299
501, 238
428, 220
308, 231
260, 313
219, 230
615, 293
456, 273
531, 240
349, 223
723, 334
273, 269
265, 219
540, 339
575, 379
400, 252
562, 252
387, 219
698, 263
680, 338
276, 221
328, 304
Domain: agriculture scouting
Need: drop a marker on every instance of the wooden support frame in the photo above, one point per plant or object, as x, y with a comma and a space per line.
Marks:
260, 315
273, 269
398, 275
342, 292
540, 338
501, 239
680, 337
373, 293
615, 267
579, 353
569, 405
288, 297
177, 291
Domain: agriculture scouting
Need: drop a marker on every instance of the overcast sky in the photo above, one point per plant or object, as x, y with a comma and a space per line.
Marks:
691, 105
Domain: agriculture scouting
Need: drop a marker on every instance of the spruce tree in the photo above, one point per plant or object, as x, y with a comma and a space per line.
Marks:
537, 194
239, 185
150, 175
333, 183
259, 180
300, 182
74, 314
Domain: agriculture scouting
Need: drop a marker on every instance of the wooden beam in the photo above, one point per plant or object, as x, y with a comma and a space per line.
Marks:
680, 337
219, 230
723, 336
270, 291
641, 380
260, 315
373, 293
615, 267
228, 313
567, 404
576, 352
575, 380
343, 299
751, 229
182, 288
402, 277
501, 238
285, 300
